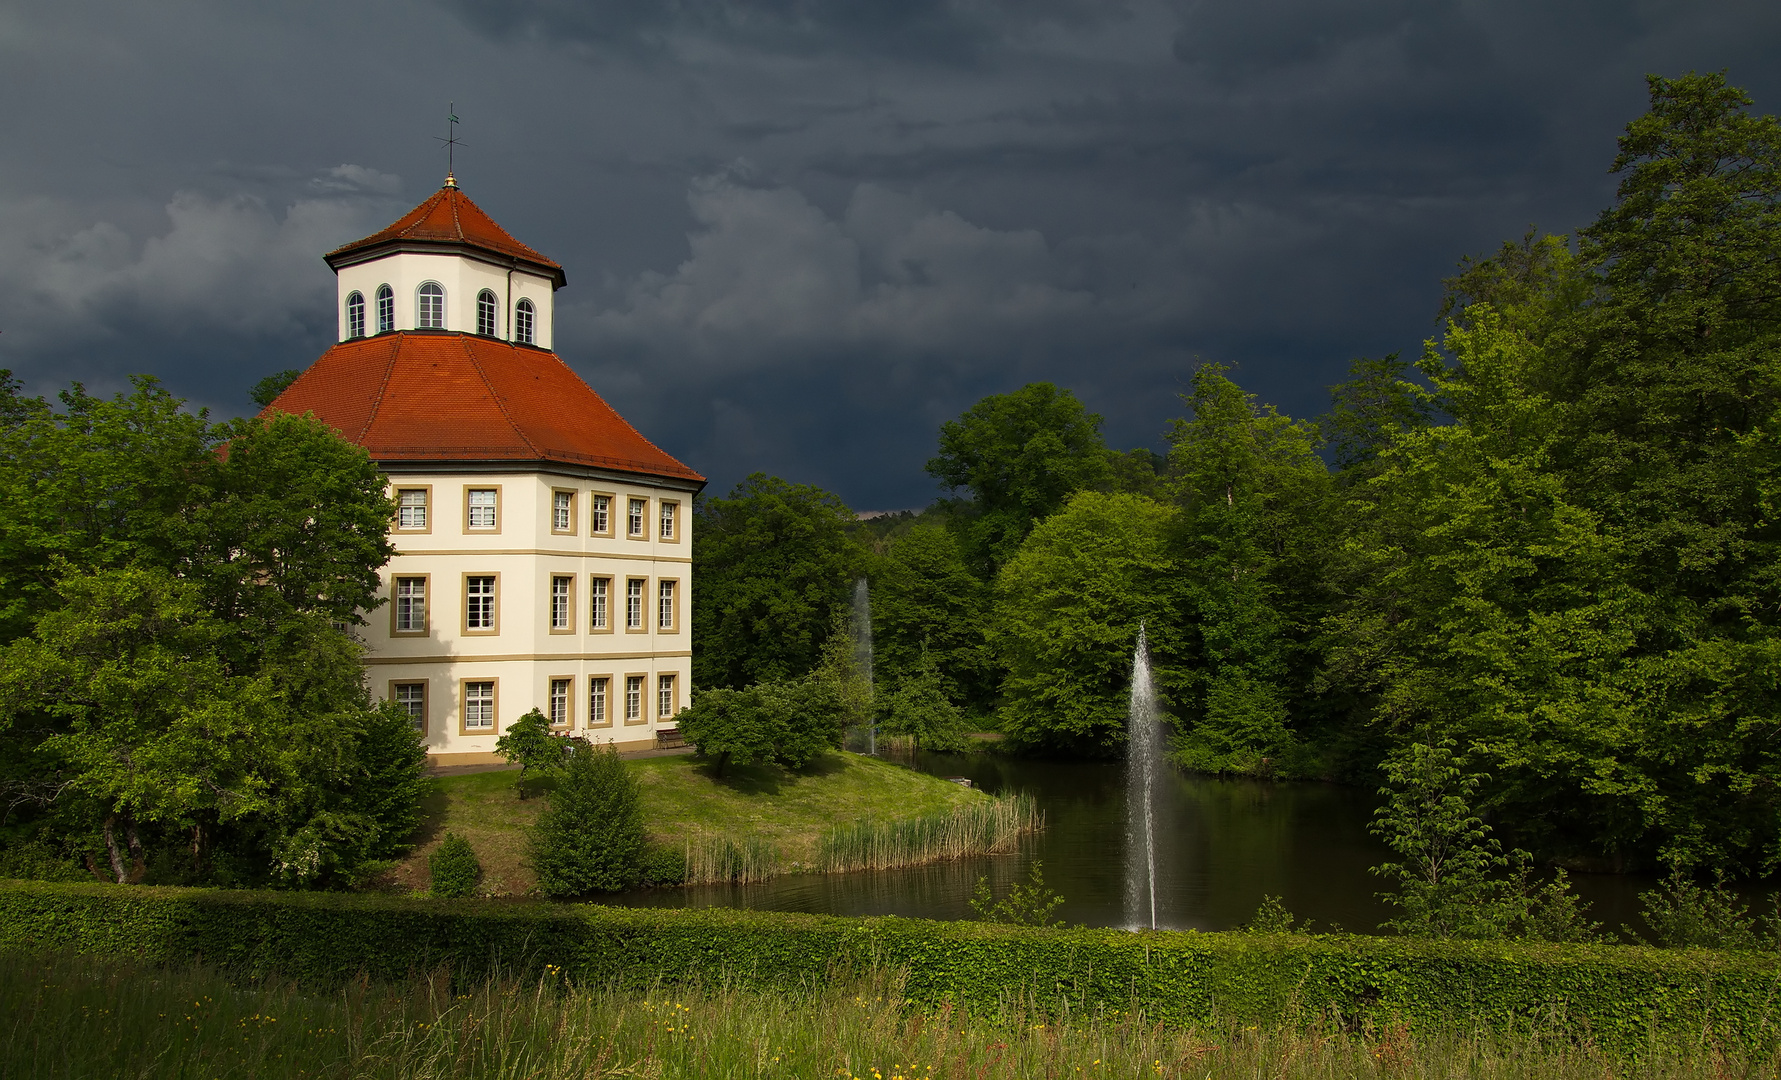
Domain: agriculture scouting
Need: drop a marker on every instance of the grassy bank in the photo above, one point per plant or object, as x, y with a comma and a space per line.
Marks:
753, 822
64, 1016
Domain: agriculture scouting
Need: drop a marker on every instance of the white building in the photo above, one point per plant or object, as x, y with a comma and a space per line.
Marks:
544, 548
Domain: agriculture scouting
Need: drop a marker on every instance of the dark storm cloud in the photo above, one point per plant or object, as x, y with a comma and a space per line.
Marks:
917, 31
800, 234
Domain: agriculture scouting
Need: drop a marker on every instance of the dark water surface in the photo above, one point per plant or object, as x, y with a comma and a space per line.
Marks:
1222, 844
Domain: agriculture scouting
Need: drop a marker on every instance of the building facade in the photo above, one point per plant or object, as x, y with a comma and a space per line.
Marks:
544, 546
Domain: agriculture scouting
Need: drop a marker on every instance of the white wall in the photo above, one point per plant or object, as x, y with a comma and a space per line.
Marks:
461, 277
525, 653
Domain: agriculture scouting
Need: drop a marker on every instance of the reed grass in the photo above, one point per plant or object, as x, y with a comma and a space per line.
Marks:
985, 827
64, 1016
743, 859
981, 827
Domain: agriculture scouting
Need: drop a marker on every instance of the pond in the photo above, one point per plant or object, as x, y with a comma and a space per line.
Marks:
1222, 844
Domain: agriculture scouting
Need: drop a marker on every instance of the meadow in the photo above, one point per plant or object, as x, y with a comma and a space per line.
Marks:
63, 1016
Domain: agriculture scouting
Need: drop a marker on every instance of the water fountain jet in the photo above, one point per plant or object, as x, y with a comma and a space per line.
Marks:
1145, 746
864, 739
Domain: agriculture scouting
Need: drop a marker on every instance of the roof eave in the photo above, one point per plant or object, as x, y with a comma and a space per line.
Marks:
483, 466
353, 255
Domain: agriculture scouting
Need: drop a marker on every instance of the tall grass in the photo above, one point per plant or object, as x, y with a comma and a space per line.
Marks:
62, 1017
742, 859
982, 827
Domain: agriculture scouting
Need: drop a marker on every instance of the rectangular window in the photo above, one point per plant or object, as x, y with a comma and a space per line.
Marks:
479, 603
411, 698
479, 706
561, 604
634, 604
562, 511
634, 519
411, 605
669, 510
665, 605
602, 515
633, 699
411, 509
480, 508
559, 702
665, 697
596, 702
598, 589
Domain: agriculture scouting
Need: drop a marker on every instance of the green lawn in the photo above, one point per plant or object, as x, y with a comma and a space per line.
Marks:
682, 800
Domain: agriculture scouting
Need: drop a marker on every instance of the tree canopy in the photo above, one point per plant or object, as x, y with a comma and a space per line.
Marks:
1020, 455
773, 562
1548, 548
177, 697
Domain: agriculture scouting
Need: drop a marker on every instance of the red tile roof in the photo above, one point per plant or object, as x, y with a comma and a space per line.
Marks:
447, 218
450, 397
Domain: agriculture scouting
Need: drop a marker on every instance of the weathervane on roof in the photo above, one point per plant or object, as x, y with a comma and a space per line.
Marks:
452, 142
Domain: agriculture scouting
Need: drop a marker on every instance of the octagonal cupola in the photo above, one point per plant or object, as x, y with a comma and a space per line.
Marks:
446, 266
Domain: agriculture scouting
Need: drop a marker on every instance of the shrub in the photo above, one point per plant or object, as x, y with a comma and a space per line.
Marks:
728, 726
454, 868
1027, 904
1613, 996
1446, 881
590, 837
786, 723
391, 778
36, 860
1684, 914
919, 709
1271, 917
529, 744
663, 865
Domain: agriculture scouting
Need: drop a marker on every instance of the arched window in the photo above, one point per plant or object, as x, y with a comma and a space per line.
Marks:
485, 313
432, 314
386, 309
522, 322
355, 314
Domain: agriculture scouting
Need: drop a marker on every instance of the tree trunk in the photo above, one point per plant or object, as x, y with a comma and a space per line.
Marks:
117, 858
138, 861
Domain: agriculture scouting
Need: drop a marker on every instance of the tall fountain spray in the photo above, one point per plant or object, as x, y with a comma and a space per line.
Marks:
1144, 767
861, 625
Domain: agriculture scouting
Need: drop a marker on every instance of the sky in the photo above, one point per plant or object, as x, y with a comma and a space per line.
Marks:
800, 235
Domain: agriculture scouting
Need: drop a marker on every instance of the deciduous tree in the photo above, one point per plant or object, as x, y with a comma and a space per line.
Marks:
1252, 493
1020, 455
925, 602
1068, 608
773, 561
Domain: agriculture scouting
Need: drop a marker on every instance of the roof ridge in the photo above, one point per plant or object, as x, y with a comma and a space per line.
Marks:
495, 395
389, 369
620, 416
456, 222
418, 215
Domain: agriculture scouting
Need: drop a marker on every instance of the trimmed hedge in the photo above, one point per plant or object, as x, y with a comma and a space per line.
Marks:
1621, 996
